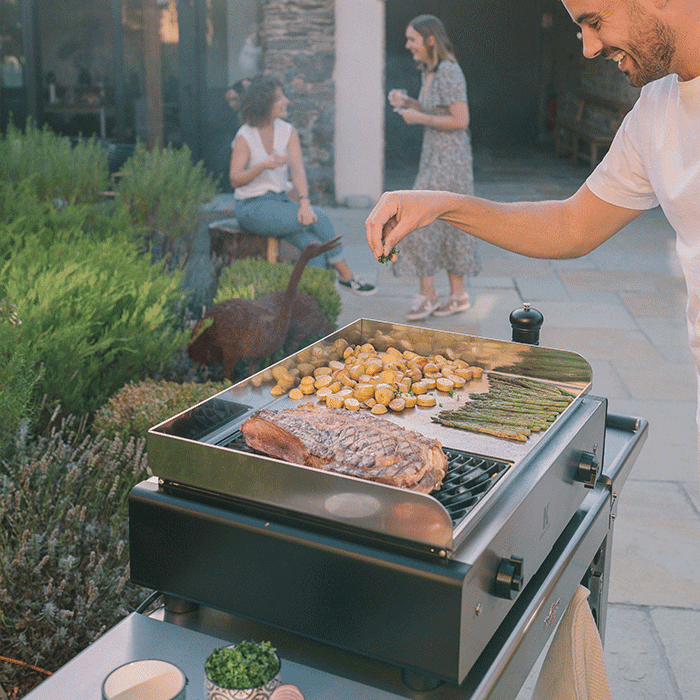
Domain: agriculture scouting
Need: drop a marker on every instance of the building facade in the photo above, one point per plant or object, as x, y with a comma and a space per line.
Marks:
157, 70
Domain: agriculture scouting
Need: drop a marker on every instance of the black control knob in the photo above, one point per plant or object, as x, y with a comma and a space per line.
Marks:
509, 579
526, 323
587, 470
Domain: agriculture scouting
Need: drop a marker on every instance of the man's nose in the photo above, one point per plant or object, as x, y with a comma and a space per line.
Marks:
592, 45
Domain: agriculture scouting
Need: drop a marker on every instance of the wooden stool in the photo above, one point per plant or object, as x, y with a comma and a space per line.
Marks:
230, 242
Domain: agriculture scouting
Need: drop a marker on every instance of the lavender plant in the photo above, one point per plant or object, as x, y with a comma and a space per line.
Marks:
64, 567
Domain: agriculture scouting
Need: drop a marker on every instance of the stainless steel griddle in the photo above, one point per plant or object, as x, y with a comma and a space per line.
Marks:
419, 582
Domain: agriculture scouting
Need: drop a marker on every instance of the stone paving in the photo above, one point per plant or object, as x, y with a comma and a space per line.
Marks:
622, 308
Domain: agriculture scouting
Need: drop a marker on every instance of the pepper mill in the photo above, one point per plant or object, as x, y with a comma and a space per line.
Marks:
526, 324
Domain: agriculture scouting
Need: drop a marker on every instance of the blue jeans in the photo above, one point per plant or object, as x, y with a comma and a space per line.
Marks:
273, 214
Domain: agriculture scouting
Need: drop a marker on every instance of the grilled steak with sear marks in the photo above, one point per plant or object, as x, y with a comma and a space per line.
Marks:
348, 442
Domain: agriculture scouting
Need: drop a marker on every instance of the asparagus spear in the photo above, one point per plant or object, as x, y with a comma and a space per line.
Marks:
511, 433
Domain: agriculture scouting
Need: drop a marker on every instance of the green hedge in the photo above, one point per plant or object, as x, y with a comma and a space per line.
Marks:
94, 313
58, 170
165, 193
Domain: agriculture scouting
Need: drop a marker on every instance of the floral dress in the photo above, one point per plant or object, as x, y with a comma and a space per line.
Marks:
445, 164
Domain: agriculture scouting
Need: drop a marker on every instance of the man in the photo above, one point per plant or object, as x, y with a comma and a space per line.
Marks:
654, 158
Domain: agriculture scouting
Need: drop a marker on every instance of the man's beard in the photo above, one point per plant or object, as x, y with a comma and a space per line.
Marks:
652, 47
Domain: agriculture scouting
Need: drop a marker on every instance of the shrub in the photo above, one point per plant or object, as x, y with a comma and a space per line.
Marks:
19, 382
64, 564
164, 191
57, 170
29, 222
251, 278
137, 407
94, 313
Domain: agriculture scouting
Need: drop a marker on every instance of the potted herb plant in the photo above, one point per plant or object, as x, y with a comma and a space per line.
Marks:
245, 671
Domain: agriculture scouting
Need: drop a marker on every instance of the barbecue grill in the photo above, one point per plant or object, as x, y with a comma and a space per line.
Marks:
437, 585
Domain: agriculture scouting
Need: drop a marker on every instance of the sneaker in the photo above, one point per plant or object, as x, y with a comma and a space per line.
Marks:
422, 307
358, 286
453, 305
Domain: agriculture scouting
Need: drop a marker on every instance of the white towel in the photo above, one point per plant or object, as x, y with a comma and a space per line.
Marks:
574, 668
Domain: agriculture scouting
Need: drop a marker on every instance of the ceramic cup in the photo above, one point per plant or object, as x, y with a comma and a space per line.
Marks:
147, 679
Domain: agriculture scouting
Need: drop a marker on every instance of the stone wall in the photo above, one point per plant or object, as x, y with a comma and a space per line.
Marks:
299, 47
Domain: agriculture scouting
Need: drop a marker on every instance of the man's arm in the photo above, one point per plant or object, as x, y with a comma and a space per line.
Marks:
565, 228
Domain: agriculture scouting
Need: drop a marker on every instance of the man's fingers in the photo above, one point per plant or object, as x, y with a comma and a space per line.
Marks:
380, 223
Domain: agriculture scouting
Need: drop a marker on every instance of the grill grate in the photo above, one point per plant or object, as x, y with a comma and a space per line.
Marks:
469, 477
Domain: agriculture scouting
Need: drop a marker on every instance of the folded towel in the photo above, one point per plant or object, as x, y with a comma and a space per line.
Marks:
574, 667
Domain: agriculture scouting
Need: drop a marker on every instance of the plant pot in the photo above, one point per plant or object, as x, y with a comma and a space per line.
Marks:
212, 691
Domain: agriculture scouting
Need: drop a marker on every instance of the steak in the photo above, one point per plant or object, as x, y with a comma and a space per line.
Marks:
348, 442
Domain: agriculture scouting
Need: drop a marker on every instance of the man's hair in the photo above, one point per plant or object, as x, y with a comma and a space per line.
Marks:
429, 25
258, 98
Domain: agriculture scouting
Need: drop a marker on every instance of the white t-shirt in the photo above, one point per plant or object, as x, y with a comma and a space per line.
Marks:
655, 159
270, 179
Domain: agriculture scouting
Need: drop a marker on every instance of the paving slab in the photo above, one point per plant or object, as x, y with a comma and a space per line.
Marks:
679, 633
655, 560
592, 315
635, 659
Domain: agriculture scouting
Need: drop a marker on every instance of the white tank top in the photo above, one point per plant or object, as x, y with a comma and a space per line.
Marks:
271, 179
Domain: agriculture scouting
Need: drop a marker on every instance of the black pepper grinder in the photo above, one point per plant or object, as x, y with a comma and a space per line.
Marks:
526, 324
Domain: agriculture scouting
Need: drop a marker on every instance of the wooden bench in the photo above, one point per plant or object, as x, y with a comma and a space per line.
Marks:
595, 122
230, 242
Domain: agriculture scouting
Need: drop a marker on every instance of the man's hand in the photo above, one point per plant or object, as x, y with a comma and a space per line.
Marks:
396, 215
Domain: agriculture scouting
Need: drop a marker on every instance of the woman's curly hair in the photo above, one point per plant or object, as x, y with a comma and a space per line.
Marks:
257, 100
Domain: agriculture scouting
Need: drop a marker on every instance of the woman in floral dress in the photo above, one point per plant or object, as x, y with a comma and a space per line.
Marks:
445, 164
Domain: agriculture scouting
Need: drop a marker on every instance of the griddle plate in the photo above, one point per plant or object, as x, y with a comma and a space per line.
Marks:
469, 477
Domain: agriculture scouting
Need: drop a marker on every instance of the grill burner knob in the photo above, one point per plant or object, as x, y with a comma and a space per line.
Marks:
587, 471
526, 324
509, 579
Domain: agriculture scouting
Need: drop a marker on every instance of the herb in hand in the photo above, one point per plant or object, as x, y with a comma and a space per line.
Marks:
384, 259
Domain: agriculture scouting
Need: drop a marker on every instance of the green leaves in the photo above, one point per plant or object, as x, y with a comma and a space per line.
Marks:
94, 313
57, 170
164, 192
384, 259
245, 665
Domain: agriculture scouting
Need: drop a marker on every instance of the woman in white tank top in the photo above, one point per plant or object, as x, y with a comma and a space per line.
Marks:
267, 166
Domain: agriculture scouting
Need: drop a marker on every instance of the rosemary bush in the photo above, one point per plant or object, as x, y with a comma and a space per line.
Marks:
64, 565
137, 407
19, 379
94, 313
58, 171
164, 192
